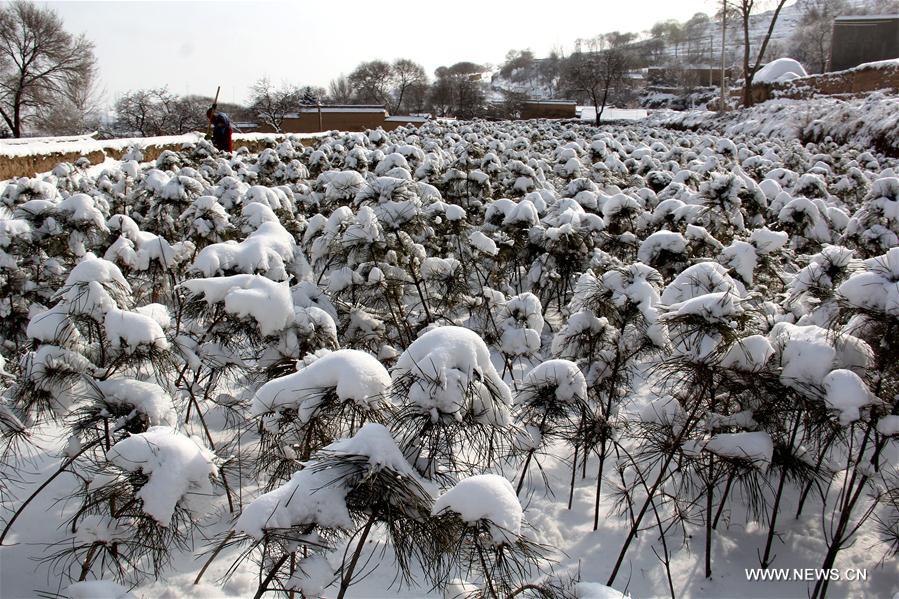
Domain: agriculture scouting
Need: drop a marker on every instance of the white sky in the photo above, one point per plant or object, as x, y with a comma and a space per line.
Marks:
193, 46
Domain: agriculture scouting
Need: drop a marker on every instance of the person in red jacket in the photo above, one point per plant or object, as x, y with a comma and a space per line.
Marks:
221, 129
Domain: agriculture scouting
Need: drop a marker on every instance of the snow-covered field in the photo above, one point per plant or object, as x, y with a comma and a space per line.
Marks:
470, 359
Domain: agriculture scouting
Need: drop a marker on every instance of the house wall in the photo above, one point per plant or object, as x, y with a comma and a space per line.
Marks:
307, 122
540, 110
859, 41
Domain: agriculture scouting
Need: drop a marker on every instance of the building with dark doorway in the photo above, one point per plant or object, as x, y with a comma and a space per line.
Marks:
859, 39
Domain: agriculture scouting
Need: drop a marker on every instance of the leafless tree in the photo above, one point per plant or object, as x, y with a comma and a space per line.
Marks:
340, 90
272, 104
596, 70
811, 40
76, 110
459, 90
406, 75
142, 112
746, 8
148, 112
39, 62
373, 81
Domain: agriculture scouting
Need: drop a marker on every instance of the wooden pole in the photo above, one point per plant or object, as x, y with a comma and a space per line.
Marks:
723, 107
214, 102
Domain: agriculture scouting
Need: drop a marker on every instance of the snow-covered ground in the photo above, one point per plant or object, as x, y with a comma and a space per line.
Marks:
588, 113
376, 365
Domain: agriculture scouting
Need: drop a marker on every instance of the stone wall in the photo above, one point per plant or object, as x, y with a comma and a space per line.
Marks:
32, 164
851, 83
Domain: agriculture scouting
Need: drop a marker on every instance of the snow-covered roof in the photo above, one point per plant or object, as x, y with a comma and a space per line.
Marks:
868, 18
560, 102
407, 119
892, 63
344, 108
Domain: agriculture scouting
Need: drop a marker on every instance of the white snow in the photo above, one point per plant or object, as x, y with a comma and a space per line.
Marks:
133, 329
562, 376
145, 397
877, 288
749, 354
267, 302
444, 362
266, 251
847, 393
779, 70
756, 447
352, 374
483, 243
485, 497
595, 590
309, 497
376, 443
177, 466
97, 589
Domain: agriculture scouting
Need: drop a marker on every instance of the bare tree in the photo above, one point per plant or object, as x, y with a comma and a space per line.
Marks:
76, 110
272, 104
340, 90
811, 40
39, 62
596, 69
746, 8
373, 81
406, 74
141, 112
460, 90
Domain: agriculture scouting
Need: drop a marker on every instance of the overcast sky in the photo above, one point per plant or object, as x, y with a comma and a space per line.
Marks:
193, 46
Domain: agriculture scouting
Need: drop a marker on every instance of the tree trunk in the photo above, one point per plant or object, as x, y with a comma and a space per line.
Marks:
747, 74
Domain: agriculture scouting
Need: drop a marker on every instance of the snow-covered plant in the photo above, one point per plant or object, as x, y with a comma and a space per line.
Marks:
481, 521
617, 317
722, 206
302, 412
874, 228
551, 404
348, 487
453, 409
141, 505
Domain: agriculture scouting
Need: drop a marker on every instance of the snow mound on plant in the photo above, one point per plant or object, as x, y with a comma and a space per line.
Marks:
712, 307
309, 497
485, 497
133, 329
176, 465
147, 398
267, 250
269, 303
595, 590
314, 495
563, 376
756, 447
749, 354
376, 443
876, 288
808, 353
847, 393
699, 279
353, 375
780, 70
444, 362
